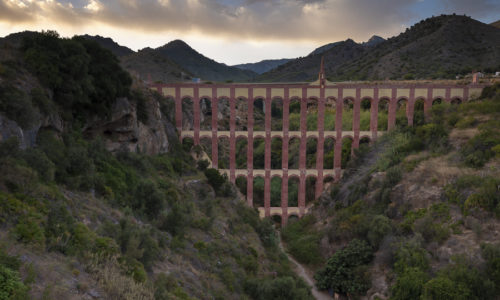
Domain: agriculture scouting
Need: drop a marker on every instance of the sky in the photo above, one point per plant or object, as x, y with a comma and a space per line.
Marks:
234, 31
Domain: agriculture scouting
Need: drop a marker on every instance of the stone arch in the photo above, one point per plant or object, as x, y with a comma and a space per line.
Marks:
329, 153
241, 108
293, 153
187, 114
205, 113
223, 152
330, 114
241, 184
259, 149
258, 191
206, 145
383, 114
223, 114
276, 190
364, 143
456, 100
346, 151
418, 111
292, 217
311, 151
365, 113
293, 191
276, 218
276, 153
259, 114
437, 100
401, 112
347, 114
310, 189
328, 179
294, 114
187, 143
277, 114
312, 114
241, 152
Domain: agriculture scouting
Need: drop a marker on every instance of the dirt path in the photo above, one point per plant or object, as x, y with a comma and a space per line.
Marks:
304, 274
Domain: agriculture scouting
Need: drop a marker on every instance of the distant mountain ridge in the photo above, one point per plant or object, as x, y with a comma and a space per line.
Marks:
263, 65
438, 47
110, 44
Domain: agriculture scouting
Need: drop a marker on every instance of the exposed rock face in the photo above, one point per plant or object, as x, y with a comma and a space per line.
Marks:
122, 132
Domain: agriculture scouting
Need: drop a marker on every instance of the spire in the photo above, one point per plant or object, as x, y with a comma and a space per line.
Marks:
322, 72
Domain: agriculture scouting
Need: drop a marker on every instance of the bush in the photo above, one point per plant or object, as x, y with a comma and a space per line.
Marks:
215, 179
379, 227
17, 106
342, 273
409, 284
11, 286
303, 240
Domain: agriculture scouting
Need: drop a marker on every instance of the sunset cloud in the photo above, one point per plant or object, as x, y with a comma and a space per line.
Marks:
289, 21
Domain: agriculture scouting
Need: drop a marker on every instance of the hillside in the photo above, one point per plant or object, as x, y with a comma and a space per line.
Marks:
374, 40
416, 216
263, 66
98, 199
107, 43
438, 47
306, 68
496, 24
201, 66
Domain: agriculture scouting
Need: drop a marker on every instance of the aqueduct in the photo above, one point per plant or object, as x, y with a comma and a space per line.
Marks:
321, 92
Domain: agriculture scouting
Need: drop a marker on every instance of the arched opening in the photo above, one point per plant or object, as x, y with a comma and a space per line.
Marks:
258, 191
438, 100
206, 146
328, 179
276, 220
418, 112
310, 189
187, 143
330, 114
311, 150
456, 101
329, 153
223, 153
277, 114
346, 151
187, 112
401, 117
294, 115
293, 153
259, 148
276, 191
347, 114
276, 153
223, 114
365, 114
292, 218
259, 108
312, 114
241, 184
205, 114
293, 191
241, 152
241, 118
383, 112
364, 144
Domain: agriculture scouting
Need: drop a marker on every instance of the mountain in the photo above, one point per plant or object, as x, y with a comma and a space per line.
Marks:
373, 41
263, 66
438, 47
324, 48
150, 64
109, 44
201, 66
496, 24
306, 68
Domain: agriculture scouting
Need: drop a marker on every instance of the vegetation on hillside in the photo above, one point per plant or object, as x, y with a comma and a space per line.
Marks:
124, 225
370, 227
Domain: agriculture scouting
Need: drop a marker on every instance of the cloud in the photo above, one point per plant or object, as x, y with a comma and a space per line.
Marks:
265, 20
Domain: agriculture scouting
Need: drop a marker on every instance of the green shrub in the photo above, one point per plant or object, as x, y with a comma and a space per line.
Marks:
303, 240
17, 106
11, 286
215, 179
379, 227
409, 284
343, 273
